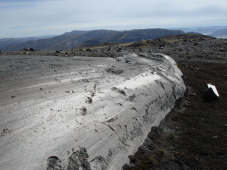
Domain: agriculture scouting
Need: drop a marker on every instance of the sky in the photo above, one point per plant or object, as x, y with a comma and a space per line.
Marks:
27, 18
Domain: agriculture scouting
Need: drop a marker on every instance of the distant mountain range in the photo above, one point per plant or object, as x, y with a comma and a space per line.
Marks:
133, 35
6, 42
76, 39
220, 33
202, 30
42, 44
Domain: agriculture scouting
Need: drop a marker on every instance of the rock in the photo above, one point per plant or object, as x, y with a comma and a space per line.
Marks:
161, 46
58, 52
53, 163
79, 160
119, 49
89, 100
31, 49
83, 111
108, 49
209, 95
192, 94
28, 49
121, 91
114, 71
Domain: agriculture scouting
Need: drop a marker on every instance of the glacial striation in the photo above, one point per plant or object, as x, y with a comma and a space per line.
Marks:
82, 112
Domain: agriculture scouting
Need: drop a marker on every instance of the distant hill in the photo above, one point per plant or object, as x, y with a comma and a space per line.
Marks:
203, 30
132, 35
75, 42
75, 39
64, 41
194, 33
75, 32
6, 42
220, 33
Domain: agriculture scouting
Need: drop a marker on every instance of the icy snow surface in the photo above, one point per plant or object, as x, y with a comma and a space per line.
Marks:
52, 106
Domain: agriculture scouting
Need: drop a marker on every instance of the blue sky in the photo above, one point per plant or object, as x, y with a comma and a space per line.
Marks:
23, 18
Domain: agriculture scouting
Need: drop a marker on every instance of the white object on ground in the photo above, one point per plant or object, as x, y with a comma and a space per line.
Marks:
213, 88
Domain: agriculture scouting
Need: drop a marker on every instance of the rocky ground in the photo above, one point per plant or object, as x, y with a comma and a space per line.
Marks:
179, 47
193, 135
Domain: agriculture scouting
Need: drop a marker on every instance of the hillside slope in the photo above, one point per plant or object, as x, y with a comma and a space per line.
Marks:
220, 33
73, 42
133, 35
6, 42
42, 44
74, 39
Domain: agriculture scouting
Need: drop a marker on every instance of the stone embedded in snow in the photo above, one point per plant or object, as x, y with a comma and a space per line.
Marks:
112, 107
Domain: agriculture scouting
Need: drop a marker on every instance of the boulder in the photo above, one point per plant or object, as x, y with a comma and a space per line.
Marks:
209, 95
28, 49
161, 46
114, 71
